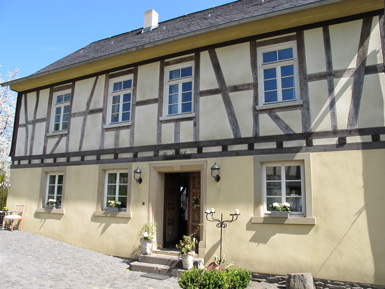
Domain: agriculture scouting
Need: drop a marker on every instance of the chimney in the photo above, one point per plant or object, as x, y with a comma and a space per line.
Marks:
150, 20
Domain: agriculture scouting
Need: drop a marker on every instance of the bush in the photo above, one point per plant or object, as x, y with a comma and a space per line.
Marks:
233, 278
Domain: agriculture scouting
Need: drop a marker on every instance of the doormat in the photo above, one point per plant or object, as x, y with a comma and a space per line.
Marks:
155, 276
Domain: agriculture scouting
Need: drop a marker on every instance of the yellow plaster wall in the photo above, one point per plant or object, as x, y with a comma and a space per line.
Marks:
43, 103
319, 106
207, 75
186, 131
148, 81
374, 50
97, 99
92, 131
243, 107
314, 45
146, 124
168, 132
82, 93
38, 143
343, 95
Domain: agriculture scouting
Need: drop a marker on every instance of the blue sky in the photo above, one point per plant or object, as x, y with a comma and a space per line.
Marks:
36, 33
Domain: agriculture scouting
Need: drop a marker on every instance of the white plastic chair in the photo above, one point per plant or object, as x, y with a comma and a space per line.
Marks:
17, 215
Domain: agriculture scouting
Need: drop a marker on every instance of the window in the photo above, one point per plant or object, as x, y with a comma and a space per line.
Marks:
283, 182
62, 101
179, 89
278, 75
120, 99
55, 189
116, 188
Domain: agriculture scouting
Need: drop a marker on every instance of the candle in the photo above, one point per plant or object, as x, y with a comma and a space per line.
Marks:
237, 211
212, 210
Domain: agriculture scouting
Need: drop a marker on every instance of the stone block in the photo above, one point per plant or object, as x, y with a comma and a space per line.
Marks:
299, 281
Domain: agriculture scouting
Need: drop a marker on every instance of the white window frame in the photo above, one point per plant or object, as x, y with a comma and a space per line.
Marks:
105, 199
56, 185
121, 93
277, 64
61, 106
179, 82
283, 181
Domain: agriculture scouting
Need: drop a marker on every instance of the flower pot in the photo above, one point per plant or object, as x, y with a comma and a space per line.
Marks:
188, 260
114, 209
50, 207
147, 246
280, 214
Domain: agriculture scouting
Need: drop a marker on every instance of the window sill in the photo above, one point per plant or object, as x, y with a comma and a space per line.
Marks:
285, 104
284, 221
53, 211
117, 125
127, 215
57, 133
177, 116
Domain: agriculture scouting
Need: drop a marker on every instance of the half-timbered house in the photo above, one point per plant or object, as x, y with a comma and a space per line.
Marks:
285, 97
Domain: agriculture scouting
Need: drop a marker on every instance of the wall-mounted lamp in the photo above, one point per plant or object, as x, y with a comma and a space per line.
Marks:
138, 175
215, 172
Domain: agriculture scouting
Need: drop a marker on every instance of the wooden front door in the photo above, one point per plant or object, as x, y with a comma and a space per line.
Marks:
178, 222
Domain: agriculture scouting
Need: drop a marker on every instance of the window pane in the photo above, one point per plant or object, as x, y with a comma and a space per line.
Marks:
67, 97
59, 99
123, 200
271, 96
58, 202
273, 189
271, 201
173, 109
58, 111
56, 127
114, 118
187, 71
271, 85
127, 84
126, 116
172, 89
172, 99
293, 189
287, 70
51, 190
60, 179
174, 74
123, 190
288, 82
126, 107
273, 173
66, 117
269, 56
288, 94
66, 109
117, 86
285, 54
52, 180
115, 109
186, 107
123, 178
59, 191
187, 86
269, 73
127, 97
186, 97
295, 204
293, 172
111, 178
64, 126
115, 99
111, 190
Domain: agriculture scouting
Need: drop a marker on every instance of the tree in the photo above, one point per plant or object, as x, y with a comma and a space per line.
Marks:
7, 116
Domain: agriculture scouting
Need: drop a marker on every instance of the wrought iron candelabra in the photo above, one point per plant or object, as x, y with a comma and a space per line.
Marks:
221, 223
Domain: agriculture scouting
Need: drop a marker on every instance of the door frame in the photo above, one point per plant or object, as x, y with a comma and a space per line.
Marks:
156, 195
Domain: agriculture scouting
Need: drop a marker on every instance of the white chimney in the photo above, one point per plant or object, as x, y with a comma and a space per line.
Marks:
150, 20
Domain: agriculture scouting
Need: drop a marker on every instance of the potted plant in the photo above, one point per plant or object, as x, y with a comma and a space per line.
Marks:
187, 248
146, 236
280, 210
112, 206
51, 204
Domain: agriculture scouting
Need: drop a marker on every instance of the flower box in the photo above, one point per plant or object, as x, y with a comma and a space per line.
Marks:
112, 210
280, 214
50, 207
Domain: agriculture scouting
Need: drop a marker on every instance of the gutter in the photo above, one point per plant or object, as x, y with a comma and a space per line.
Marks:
255, 18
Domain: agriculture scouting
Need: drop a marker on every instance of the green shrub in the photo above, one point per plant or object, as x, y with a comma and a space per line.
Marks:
232, 278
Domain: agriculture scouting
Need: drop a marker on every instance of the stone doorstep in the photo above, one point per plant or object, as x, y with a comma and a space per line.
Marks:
169, 260
156, 268
167, 252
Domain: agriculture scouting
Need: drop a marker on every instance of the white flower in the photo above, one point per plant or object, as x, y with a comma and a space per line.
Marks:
275, 205
145, 234
118, 203
286, 205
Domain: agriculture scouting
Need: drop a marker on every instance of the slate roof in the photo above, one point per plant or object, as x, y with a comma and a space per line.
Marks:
178, 27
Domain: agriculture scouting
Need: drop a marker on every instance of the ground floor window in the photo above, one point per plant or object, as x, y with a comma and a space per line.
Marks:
283, 183
55, 190
116, 189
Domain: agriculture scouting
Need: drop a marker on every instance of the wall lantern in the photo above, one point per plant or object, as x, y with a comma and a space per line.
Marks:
215, 172
138, 175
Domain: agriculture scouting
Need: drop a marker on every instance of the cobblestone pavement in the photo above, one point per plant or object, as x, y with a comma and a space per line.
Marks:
33, 261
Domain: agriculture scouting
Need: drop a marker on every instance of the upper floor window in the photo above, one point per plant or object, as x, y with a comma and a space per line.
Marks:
54, 192
120, 99
284, 183
62, 102
179, 89
278, 76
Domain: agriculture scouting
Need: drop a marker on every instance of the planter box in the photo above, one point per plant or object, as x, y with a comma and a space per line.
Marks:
112, 210
50, 207
280, 214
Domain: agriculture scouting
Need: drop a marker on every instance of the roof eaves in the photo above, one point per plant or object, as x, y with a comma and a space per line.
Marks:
179, 37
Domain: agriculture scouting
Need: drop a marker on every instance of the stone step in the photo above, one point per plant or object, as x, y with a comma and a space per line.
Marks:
156, 268
161, 259
167, 252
